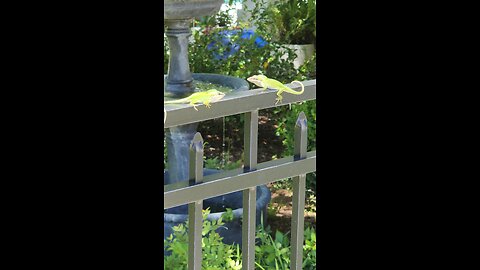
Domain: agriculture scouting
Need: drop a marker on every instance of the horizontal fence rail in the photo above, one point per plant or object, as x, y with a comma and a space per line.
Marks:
235, 180
197, 188
236, 103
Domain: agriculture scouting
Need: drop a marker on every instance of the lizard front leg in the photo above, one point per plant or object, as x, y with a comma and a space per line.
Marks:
207, 104
193, 104
279, 98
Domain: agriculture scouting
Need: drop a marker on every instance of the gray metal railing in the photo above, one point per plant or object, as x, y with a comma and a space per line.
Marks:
199, 188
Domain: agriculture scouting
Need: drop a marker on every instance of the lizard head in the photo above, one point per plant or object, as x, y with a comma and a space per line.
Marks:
258, 80
215, 95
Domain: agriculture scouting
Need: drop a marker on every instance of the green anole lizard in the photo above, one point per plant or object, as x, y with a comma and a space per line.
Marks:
265, 82
205, 97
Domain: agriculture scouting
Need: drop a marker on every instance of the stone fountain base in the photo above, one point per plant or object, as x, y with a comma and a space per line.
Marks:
232, 233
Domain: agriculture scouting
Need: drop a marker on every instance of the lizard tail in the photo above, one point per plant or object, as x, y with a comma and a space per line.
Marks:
303, 87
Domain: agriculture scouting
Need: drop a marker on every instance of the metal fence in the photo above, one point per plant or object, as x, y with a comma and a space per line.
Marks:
198, 188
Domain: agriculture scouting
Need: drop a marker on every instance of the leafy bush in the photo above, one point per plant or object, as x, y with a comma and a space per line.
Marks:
287, 120
270, 253
236, 51
216, 164
274, 252
215, 254
289, 21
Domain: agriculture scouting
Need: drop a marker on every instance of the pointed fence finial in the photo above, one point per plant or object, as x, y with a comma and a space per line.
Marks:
196, 159
301, 137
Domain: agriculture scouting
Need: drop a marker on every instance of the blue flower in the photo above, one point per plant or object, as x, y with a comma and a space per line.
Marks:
211, 45
232, 48
260, 42
247, 33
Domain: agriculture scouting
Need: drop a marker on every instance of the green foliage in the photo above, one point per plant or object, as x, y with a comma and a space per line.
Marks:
293, 21
287, 120
228, 215
308, 70
274, 252
166, 53
310, 249
270, 252
215, 254
221, 19
216, 164
249, 60
289, 21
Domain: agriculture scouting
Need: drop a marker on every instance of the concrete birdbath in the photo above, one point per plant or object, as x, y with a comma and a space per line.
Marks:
180, 83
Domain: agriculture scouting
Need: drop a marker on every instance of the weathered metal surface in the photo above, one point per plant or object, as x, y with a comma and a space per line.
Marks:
298, 200
237, 180
195, 219
249, 195
236, 103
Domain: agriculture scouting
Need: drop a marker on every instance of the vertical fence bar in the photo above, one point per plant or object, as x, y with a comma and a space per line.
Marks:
250, 195
195, 219
298, 200
251, 140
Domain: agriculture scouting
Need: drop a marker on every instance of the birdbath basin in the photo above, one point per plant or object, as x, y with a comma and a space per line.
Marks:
187, 9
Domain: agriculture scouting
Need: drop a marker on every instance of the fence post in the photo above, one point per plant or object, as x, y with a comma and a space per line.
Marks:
298, 200
250, 195
195, 219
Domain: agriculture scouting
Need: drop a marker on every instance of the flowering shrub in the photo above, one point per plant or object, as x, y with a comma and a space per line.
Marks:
236, 50
224, 39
